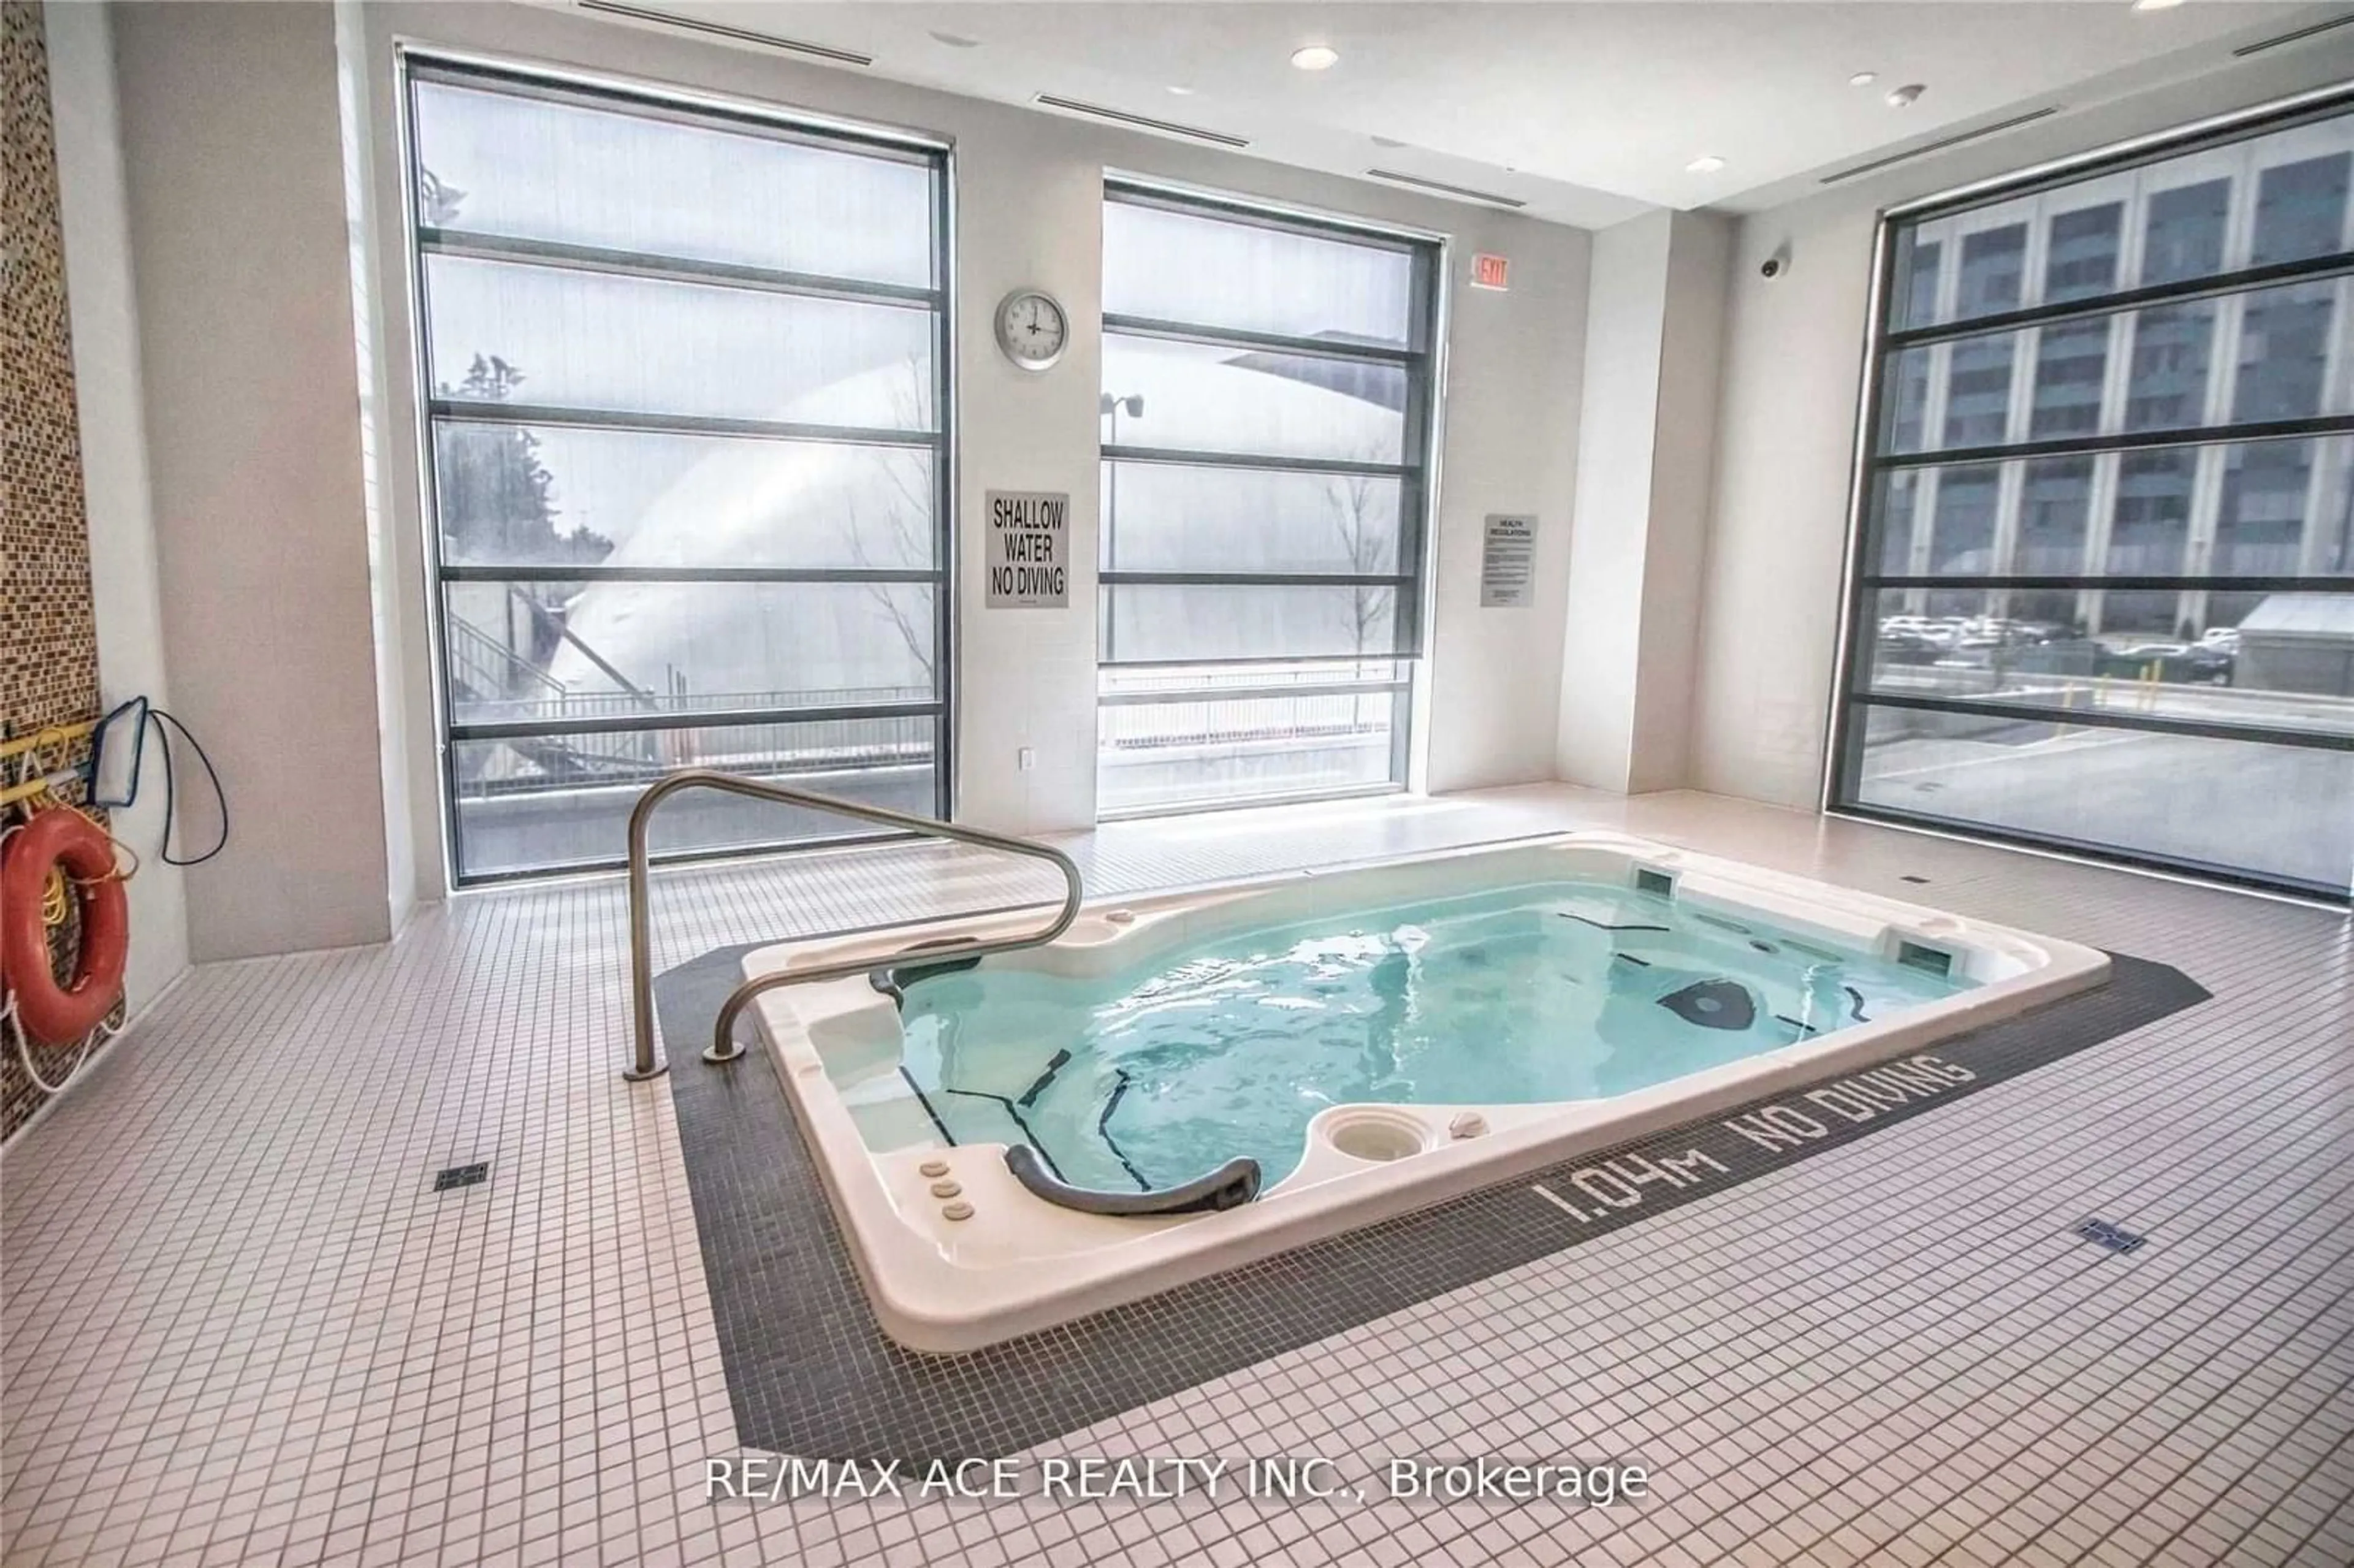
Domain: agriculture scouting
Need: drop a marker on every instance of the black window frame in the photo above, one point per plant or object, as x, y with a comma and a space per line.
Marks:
1421, 358
419, 65
1852, 699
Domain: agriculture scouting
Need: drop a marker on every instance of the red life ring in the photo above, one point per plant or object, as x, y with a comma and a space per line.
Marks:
51, 1014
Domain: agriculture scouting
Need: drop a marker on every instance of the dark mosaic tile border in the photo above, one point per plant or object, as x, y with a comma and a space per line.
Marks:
48, 635
810, 1373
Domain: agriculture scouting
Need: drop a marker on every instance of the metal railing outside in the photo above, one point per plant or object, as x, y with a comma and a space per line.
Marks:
561, 764
723, 1047
487, 668
562, 702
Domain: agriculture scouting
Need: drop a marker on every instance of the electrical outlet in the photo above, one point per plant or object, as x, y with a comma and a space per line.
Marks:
1026, 758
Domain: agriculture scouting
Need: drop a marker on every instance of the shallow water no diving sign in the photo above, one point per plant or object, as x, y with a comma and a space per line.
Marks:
1029, 555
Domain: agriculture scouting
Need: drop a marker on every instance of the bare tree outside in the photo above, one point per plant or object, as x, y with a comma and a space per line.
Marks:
908, 523
1370, 550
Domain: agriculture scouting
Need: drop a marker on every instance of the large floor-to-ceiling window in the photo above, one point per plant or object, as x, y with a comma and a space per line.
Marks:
2103, 598
1267, 406
684, 375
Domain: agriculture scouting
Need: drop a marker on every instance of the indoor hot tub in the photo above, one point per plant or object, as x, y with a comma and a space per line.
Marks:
1180, 1084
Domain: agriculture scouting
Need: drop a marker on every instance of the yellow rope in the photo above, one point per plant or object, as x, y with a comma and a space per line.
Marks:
47, 735
57, 893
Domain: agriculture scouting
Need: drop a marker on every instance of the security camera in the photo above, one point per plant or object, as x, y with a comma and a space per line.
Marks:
1773, 266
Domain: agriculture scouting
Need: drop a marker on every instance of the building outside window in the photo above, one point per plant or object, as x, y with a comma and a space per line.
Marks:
2104, 594
1267, 404
684, 388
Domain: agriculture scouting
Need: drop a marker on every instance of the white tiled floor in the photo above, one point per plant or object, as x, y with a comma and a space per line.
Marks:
240, 1328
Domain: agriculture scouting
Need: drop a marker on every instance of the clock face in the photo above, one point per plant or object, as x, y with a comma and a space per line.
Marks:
1032, 328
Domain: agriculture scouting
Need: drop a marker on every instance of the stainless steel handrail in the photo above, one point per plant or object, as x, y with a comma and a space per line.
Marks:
723, 1047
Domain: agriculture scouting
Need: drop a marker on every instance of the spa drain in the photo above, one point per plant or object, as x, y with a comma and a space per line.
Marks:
2113, 1237
462, 1176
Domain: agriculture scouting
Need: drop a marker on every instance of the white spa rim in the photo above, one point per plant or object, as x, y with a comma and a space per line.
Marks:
956, 1255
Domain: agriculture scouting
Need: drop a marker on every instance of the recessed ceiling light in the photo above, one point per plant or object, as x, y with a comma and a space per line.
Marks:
955, 40
1863, 78
2156, 5
1316, 57
1902, 97
1706, 164
1180, 91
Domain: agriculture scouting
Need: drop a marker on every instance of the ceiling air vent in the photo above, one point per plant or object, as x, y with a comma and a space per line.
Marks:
1440, 187
2297, 37
724, 30
1139, 122
1980, 135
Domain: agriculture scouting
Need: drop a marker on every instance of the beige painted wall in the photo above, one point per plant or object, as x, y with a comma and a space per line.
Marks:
245, 320
1683, 465
1626, 317
1630, 638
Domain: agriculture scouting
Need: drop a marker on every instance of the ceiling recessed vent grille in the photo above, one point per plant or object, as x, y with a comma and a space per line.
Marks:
724, 30
1461, 192
1139, 122
1963, 139
2297, 37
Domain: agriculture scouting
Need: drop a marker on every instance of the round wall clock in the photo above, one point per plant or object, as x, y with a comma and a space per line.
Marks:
1032, 329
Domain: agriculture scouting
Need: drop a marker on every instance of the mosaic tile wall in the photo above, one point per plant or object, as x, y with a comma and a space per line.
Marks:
48, 638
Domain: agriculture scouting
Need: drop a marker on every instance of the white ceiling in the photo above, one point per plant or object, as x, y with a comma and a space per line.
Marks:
1587, 110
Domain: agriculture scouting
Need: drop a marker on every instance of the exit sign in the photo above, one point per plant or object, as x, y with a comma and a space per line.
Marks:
1491, 272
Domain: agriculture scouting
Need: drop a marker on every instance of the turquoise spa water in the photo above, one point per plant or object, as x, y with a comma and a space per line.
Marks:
1566, 990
